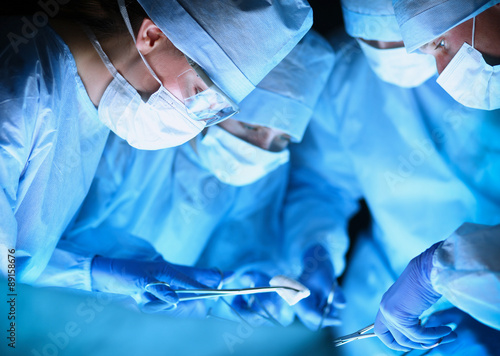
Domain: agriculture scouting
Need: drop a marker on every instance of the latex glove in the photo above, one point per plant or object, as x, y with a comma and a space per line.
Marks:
474, 338
397, 323
130, 277
319, 276
263, 308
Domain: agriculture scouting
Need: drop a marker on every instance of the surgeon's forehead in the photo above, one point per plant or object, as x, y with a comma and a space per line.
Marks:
460, 33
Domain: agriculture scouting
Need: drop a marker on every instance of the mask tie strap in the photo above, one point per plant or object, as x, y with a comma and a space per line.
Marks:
123, 11
473, 31
105, 59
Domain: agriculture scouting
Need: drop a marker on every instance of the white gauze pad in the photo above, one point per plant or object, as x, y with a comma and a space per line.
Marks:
290, 296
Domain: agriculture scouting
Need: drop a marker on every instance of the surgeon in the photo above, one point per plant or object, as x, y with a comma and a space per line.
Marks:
465, 40
212, 202
385, 131
156, 73
464, 268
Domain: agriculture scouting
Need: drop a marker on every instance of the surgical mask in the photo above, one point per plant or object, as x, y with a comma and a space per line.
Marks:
396, 66
160, 122
234, 161
163, 121
470, 80
210, 105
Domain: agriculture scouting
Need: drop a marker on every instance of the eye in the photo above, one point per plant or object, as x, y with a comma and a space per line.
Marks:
440, 44
285, 138
249, 127
280, 143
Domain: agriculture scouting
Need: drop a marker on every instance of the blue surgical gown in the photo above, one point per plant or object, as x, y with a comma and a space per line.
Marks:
423, 163
50, 144
466, 271
166, 204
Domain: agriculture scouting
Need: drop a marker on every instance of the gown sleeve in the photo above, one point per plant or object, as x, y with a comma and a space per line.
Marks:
466, 271
51, 141
323, 191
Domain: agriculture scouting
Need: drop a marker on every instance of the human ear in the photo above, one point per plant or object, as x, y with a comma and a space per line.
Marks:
149, 37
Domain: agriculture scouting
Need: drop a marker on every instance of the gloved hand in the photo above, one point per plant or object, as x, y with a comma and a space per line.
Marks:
319, 276
397, 323
474, 338
263, 308
130, 277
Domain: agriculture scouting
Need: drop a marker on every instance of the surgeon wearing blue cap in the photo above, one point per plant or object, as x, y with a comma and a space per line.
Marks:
464, 37
385, 131
154, 72
212, 202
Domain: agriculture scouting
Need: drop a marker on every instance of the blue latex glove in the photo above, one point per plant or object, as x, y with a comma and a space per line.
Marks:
319, 276
474, 338
130, 277
263, 308
397, 323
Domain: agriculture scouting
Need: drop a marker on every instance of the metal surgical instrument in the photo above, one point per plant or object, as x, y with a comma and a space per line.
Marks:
328, 306
214, 293
361, 334
358, 335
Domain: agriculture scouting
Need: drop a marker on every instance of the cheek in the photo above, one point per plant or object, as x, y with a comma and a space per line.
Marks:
231, 126
441, 64
169, 68
442, 60
173, 87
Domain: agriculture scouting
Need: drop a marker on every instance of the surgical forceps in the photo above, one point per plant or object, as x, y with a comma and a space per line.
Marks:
328, 306
358, 335
214, 293
361, 334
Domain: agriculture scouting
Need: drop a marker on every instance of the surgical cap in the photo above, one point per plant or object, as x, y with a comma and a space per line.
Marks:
237, 43
286, 97
425, 20
371, 20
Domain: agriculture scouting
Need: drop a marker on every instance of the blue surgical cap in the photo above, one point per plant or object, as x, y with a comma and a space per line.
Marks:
236, 42
425, 20
371, 20
286, 97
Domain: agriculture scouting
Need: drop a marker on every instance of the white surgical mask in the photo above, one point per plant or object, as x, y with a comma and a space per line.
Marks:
163, 121
210, 105
160, 122
470, 80
396, 66
234, 161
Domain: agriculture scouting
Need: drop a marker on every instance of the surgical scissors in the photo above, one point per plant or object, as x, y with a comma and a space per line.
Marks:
358, 335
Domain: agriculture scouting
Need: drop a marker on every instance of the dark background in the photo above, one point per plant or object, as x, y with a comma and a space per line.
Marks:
328, 18
327, 15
